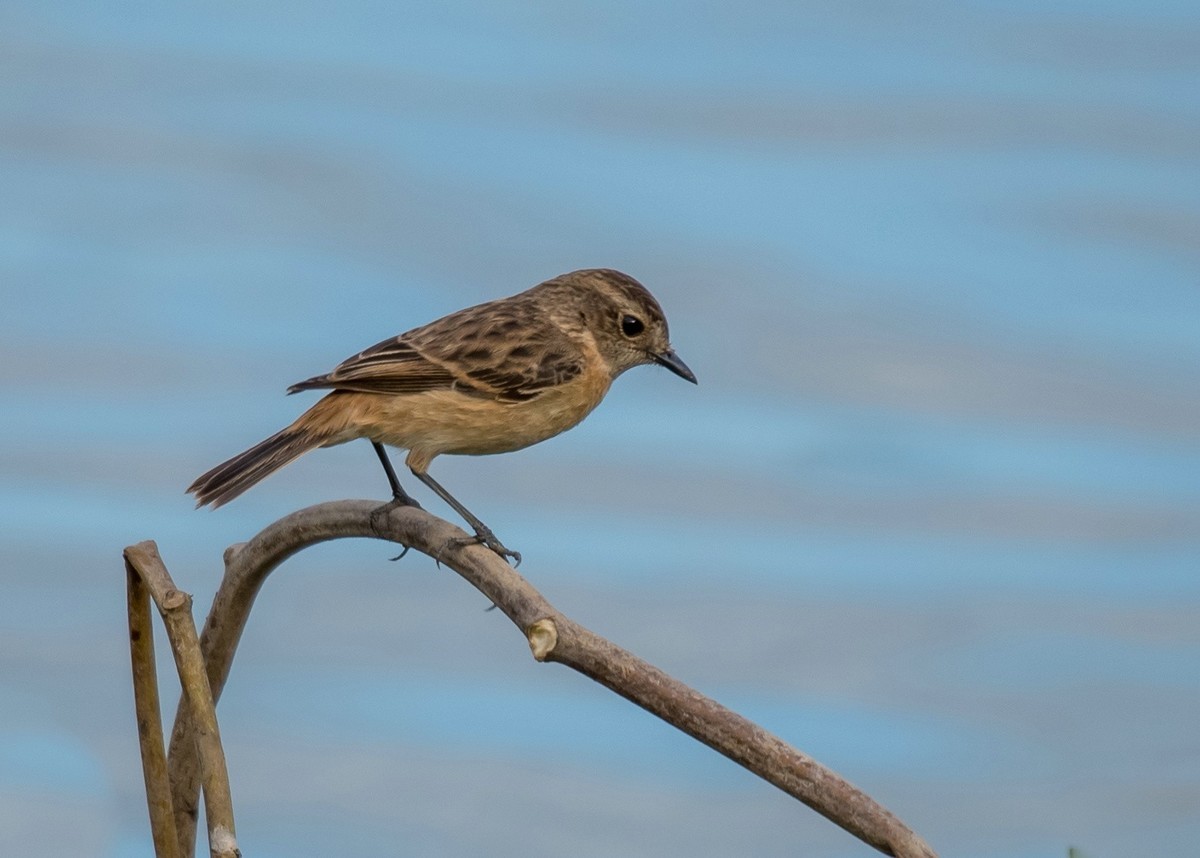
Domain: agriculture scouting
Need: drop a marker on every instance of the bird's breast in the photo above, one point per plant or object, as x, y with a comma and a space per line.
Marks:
450, 421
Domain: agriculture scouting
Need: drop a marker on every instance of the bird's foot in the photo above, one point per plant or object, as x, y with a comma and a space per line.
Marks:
397, 501
403, 498
484, 536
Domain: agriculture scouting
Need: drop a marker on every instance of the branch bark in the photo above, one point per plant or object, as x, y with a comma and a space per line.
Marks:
551, 636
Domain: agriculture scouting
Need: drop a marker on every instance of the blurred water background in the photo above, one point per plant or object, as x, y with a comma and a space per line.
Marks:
932, 515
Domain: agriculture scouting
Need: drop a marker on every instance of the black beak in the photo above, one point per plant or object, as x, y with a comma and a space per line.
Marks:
672, 362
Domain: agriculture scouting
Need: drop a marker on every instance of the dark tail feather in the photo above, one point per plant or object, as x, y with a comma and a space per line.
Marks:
229, 479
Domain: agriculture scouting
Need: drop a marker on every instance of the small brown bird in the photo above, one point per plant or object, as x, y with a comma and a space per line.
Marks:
492, 378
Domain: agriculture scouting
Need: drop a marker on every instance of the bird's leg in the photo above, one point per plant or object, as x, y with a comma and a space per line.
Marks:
483, 533
398, 494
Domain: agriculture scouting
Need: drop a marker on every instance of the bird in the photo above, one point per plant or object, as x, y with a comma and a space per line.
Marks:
492, 378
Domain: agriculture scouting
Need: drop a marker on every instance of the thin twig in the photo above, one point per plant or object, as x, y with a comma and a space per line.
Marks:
552, 637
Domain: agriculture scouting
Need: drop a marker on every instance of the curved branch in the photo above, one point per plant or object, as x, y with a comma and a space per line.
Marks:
552, 637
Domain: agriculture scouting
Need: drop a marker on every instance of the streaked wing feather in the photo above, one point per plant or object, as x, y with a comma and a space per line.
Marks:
504, 349
392, 366
511, 348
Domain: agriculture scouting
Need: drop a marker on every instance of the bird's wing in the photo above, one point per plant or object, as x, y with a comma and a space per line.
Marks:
504, 349
392, 366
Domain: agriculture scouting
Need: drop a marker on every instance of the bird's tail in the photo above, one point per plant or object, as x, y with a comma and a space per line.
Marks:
329, 421
229, 479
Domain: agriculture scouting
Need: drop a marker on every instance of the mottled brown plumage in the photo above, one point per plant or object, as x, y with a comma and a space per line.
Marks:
488, 379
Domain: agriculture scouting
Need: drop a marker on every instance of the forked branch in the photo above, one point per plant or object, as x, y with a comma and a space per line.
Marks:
551, 636
147, 577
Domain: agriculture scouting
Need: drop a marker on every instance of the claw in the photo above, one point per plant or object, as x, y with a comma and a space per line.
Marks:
485, 537
383, 511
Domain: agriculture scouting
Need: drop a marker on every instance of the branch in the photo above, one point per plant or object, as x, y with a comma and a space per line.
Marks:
145, 571
551, 636
149, 719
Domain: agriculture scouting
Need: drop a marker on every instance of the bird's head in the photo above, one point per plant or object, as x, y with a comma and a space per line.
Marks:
623, 318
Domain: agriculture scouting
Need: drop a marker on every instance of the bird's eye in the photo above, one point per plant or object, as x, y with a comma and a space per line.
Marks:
631, 326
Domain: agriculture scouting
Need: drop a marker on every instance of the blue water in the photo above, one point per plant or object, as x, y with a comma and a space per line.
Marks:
932, 515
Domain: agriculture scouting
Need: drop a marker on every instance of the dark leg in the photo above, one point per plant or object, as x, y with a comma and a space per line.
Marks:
398, 493
483, 533
399, 496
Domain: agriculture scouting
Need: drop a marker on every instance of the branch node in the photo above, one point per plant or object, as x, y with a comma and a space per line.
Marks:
543, 637
173, 600
232, 551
